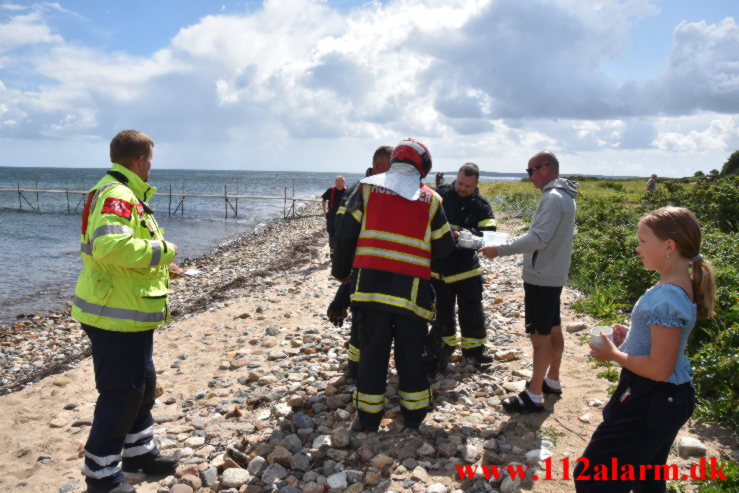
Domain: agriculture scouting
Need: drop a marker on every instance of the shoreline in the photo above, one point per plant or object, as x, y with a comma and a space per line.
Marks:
253, 396
37, 345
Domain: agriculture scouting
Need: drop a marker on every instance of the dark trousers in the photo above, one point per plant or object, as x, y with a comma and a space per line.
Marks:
377, 332
331, 246
640, 422
125, 378
354, 344
467, 295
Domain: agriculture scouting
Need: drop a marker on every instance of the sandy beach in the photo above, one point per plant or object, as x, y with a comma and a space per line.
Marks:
254, 399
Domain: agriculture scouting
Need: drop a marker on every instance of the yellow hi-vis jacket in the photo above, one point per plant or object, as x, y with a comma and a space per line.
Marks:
124, 282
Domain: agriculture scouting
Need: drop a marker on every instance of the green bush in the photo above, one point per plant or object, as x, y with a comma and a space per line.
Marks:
605, 268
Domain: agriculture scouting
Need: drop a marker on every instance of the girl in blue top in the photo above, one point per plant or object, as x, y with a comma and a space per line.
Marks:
655, 395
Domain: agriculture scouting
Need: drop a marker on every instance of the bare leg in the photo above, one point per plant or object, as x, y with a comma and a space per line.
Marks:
558, 347
542, 345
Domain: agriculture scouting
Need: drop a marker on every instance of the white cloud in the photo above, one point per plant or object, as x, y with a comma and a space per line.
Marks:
485, 80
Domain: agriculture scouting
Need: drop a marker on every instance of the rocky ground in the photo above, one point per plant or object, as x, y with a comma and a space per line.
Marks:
254, 398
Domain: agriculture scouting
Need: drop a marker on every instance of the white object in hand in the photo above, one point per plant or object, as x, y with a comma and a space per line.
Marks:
192, 272
595, 333
468, 240
494, 238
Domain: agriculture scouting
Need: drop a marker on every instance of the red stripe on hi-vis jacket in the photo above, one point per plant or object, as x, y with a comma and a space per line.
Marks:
119, 207
140, 208
86, 211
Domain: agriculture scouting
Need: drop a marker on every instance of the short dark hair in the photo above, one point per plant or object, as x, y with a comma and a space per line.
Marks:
368, 172
470, 169
382, 152
127, 145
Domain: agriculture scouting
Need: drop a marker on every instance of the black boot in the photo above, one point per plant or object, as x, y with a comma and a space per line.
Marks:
108, 487
151, 464
478, 358
358, 426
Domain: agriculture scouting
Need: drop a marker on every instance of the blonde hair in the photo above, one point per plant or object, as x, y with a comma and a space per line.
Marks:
681, 226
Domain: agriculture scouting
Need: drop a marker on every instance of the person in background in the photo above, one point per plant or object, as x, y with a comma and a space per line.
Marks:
439, 178
392, 227
120, 298
655, 395
547, 249
338, 308
457, 279
652, 183
330, 201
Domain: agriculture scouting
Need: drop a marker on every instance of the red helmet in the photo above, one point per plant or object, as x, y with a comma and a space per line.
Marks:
413, 152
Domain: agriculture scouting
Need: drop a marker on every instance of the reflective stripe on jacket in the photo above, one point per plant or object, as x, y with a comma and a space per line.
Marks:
396, 233
472, 213
392, 252
124, 281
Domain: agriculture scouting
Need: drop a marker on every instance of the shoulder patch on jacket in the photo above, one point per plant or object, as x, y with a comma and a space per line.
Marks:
117, 206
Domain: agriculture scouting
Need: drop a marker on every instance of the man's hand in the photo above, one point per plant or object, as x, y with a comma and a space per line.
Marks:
336, 315
342, 280
488, 252
175, 271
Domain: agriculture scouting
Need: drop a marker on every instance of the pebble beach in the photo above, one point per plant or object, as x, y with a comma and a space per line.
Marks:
253, 396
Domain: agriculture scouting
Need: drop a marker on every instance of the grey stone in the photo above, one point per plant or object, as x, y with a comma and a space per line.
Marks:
300, 462
303, 421
69, 487
337, 480
257, 465
209, 477
273, 473
234, 477
691, 447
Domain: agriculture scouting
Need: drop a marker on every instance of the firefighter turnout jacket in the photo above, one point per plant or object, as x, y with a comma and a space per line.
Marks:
387, 243
124, 282
472, 213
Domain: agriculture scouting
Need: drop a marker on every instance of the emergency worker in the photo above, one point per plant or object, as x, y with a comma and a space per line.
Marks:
392, 227
330, 201
457, 279
120, 298
338, 308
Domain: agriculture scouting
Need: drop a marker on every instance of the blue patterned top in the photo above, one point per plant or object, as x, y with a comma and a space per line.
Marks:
668, 305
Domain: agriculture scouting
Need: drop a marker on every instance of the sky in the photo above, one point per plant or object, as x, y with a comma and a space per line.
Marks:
613, 87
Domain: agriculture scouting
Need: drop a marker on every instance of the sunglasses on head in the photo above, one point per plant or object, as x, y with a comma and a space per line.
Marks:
530, 171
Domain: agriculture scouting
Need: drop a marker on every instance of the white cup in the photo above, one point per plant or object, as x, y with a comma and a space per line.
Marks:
595, 333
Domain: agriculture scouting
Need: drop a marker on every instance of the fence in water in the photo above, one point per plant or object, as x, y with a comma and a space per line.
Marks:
230, 201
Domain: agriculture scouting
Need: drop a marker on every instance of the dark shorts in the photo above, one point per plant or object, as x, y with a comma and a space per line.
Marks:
541, 304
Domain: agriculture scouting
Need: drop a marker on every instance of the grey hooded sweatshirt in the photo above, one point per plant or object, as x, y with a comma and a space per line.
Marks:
547, 246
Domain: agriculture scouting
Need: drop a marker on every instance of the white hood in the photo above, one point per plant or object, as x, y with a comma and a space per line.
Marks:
402, 178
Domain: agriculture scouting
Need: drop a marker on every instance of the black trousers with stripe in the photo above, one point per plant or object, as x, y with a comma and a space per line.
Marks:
467, 296
126, 382
378, 330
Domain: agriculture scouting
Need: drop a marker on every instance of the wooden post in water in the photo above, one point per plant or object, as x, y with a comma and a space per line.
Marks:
169, 207
67, 189
38, 207
284, 206
237, 197
20, 204
182, 213
225, 202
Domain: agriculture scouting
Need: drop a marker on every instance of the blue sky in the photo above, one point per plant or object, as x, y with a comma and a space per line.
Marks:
611, 86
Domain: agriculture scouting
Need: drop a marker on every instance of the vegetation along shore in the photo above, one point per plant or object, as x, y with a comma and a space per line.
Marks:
253, 396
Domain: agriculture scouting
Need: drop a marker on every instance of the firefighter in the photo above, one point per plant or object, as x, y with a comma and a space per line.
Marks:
391, 228
120, 298
457, 279
337, 309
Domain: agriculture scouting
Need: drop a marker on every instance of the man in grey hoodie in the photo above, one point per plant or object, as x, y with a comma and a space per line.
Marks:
547, 250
